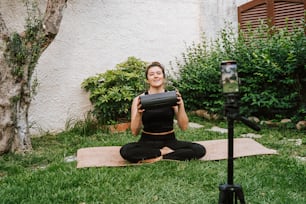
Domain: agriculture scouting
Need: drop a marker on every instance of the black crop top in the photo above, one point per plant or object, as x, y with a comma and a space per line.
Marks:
158, 119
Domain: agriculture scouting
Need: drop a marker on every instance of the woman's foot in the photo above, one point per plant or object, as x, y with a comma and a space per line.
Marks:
166, 150
148, 161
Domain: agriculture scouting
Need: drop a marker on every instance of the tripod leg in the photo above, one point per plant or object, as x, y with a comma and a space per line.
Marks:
223, 194
222, 197
227, 192
239, 194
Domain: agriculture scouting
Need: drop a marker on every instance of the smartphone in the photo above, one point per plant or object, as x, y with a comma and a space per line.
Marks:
229, 76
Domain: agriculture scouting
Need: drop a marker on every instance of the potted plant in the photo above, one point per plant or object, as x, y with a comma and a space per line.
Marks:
112, 92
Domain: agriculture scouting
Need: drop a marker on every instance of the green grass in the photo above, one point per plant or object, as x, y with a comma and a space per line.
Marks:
43, 176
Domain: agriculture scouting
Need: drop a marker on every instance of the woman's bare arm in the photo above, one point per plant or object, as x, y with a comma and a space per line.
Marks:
180, 113
136, 116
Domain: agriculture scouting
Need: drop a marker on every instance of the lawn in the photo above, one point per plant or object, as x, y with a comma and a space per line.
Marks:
43, 176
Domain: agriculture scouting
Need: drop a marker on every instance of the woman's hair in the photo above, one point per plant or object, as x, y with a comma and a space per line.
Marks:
155, 64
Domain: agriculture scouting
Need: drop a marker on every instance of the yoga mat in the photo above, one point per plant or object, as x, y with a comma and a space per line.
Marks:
215, 150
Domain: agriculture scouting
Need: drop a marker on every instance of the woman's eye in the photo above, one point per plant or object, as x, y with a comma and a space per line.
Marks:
153, 73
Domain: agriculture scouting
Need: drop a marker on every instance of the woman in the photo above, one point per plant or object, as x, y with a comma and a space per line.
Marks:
158, 140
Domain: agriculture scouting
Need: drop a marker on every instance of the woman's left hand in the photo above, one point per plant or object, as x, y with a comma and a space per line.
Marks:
179, 98
180, 112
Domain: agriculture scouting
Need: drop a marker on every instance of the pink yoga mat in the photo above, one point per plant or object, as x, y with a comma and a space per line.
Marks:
215, 150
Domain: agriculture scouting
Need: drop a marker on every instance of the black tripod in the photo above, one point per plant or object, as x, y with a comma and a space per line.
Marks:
229, 190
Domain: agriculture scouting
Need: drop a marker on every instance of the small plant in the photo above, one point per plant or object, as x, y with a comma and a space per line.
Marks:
112, 92
85, 127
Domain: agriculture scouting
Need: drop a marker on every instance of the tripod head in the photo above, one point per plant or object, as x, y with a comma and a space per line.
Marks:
231, 109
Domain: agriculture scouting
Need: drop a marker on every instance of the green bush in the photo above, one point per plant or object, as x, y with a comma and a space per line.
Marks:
271, 67
197, 78
112, 92
273, 72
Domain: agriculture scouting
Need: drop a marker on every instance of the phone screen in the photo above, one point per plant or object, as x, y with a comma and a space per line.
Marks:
229, 77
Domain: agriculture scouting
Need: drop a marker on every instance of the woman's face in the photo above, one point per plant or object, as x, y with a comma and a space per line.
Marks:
155, 76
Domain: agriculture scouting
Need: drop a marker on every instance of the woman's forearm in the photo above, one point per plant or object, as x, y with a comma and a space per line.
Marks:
136, 124
181, 116
180, 113
136, 117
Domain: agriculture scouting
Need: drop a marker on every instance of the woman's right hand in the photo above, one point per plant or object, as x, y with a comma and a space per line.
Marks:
140, 110
136, 116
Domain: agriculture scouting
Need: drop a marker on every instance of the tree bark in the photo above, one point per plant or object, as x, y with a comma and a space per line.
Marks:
6, 124
15, 89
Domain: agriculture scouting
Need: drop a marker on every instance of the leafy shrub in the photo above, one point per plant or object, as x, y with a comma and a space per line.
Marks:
272, 72
271, 67
112, 92
197, 78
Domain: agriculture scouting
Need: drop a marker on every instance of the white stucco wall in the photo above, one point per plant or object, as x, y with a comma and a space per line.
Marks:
215, 13
95, 35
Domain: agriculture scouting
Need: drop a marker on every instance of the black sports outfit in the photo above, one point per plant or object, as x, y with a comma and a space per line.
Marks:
160, 120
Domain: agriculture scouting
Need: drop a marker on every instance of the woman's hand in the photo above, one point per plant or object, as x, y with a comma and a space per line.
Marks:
136, 116
179, 98
180, 113
140, 110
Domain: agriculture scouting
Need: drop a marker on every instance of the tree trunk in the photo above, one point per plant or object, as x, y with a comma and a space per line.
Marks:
6, 93
16, 73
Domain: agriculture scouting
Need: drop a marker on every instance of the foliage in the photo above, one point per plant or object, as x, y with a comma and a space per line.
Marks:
271, 66
198, 76
16, 54
23, 50
113, 91
84, 127
273, 71
44, 177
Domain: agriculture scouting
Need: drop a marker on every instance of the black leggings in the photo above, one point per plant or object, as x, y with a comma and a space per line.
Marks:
149, 146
